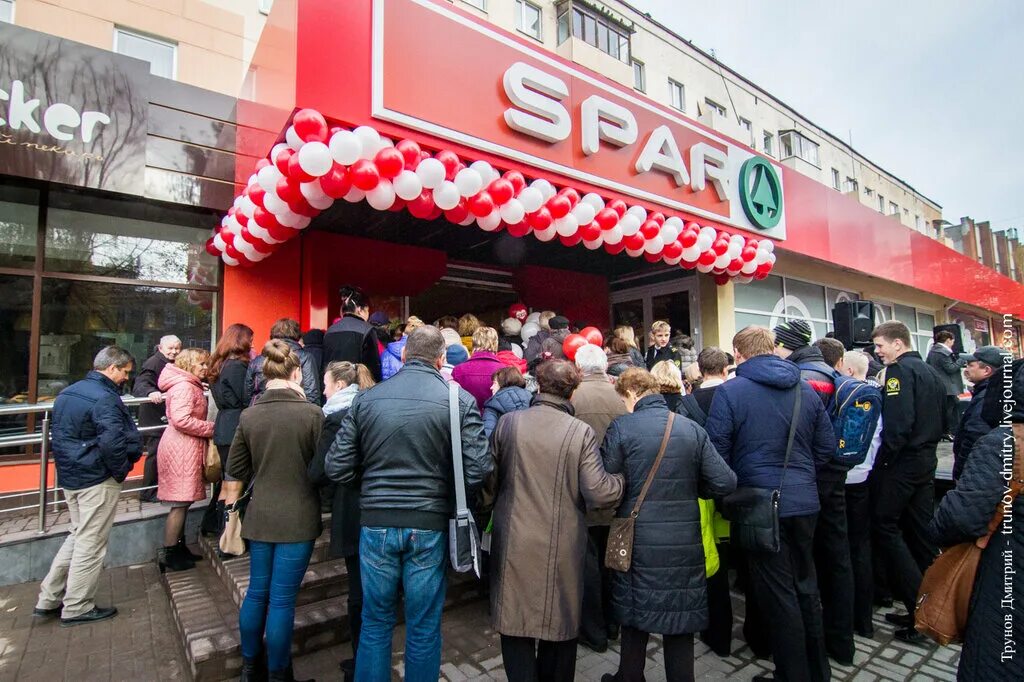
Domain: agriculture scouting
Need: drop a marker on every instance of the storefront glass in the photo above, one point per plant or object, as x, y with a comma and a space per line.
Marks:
19, 217
15, 329
775, 299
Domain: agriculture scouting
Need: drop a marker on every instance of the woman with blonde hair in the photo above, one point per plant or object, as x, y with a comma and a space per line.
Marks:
182, 451
628, 334
670, 383
468, 324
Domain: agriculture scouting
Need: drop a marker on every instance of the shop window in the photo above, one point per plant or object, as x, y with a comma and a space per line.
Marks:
79, 318
639, 76
7, 11
161, 54
777, 299
128, 240
598, 30
925, 330
768, 143
528, 18
15, 331
677, 95
19, 220
795, 144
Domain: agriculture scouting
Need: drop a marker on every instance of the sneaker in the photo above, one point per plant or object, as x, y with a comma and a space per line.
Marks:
96, 615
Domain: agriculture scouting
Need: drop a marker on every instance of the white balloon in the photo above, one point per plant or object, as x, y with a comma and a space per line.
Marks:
228, 260
676, 222
762, 257
315, 158
594, 200
766, 245
635, 253
258, 232
668, 233
546, 189
248, 206
293, 139
431, 172
771, 258
408, 185
639, 211
567, 226
532, 317
743, 279
369, 138
691, 253
614, 235
736, 239
704, 242
385, 142
303, 222
274, 203
468, 182
584, 213
722, 261
484, 169
530, 198
594, 245
512, 212
218, 241
312, 190
629, 224
654, 245
275, 150
267, 177
708, 232
447, 196
545, 235
245, 248
355, 195
673, 261
288, 219
705, 268
490, 222
530, 328
468, 220
749, 267
257, 256
381, 197
345, 147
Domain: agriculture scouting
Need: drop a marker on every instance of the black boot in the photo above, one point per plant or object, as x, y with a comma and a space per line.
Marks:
348, 670
253, 670
285, 675
184, 551
170, 559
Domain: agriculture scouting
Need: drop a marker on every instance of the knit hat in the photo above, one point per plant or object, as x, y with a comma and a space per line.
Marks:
793, 335
558, 322
518, 311
510, 326
456, 354
378, 318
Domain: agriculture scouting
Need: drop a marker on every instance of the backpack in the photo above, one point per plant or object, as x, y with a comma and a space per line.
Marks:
854, 414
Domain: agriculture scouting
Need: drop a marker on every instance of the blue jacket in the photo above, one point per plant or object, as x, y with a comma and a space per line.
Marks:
508, 399
391, 358
749, 426
93, 435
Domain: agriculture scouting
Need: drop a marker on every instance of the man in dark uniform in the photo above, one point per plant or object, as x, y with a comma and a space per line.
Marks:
153, 413
904, 473
982, 364
950, 368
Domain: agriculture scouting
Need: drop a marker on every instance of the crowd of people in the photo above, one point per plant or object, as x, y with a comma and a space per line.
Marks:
562, 446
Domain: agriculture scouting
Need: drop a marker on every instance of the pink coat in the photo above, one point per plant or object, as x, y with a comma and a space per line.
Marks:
183, 446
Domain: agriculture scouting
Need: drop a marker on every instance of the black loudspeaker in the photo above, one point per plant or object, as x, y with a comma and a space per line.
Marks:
954, 329
853, 322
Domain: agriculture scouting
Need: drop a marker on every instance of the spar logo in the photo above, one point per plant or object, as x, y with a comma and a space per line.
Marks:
760, 193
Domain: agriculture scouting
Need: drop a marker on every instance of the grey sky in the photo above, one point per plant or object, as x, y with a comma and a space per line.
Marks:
933, 91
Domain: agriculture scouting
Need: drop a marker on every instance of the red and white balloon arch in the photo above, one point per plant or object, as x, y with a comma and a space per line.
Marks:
318, 165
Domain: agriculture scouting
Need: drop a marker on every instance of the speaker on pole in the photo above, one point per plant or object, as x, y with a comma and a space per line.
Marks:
853, 322
956, 331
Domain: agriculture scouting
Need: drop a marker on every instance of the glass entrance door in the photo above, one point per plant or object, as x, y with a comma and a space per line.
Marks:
675, 302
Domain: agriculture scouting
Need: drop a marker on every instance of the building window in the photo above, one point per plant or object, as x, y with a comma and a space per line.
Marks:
852, 185
677, 95
7, 11
869, 192
479, 4
528, 18
917, 222
639, 76
748, 128
779, 299
712, 105
835, 178
160, 54
795, 144
602, 32
894, 209
264, 6
881, 204
767, 143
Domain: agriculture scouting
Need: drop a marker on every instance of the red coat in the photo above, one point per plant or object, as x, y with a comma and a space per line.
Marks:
183, 445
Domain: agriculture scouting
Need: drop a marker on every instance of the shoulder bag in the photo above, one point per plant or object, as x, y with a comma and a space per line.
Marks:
619, 555
463, 538
754, 512
944, 598
231, 541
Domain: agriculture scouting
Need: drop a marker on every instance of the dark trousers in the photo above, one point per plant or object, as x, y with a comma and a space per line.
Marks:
786, 589
858, 524
755, 627
596, 616
676, 649
902, 499
951, 413
718, 636
213, 517
355, 600
531, 660
835, 573
149, 470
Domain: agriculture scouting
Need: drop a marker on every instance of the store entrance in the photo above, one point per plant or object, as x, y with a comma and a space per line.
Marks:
676, 302
466, 289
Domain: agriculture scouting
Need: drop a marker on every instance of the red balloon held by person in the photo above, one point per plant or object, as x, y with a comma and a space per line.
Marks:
593, 335
573, 343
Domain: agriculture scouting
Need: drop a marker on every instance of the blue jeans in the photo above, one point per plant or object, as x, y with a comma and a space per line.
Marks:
275, 574
416, 559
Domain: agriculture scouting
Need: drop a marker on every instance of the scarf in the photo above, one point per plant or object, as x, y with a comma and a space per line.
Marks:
341, 400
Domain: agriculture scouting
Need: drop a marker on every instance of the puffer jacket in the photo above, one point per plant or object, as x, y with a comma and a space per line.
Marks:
93, 436
749, 426
391, 358
183, 445
508, 399
665, 589
476, 375
395, 444
256, 383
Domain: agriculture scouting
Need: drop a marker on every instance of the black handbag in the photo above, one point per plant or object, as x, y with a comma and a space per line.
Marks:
754, 512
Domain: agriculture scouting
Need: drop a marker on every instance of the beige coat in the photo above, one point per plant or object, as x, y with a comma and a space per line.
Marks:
597, 405
548, 472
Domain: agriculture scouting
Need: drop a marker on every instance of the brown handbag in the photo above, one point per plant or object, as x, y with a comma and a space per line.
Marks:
619, 555
211, 464
944, 598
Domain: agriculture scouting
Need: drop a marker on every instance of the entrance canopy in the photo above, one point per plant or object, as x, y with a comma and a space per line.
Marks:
414, 105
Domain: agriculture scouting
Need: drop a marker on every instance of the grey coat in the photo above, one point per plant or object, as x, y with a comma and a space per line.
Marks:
949, 368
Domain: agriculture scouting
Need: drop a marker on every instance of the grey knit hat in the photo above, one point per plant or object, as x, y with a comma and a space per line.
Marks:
793, 335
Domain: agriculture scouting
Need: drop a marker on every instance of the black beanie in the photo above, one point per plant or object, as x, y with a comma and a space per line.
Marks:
793, 335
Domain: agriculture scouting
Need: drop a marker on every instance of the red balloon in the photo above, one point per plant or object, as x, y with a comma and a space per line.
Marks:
450, 161
229, 248
280, 233
570, 241
501, 191
657, 217
410, 151
634, 241
242, 219
304, 209
288, 190
572, 195
336, 183
480, 204
335, 129
364, 174
435, 213
734, 264
423, 205
589, 232
517, 180
265, 219
720, 246
615, 249
692, 226
559, 206
688, 238
592, 335
751, 243
256, 194
261, 164
540, 219
211, 248
606, 219
573, 343
295, 171
310, 125
398, 204
389, 162
652, 257
650, 229
256, 242
748, 254
618, 205
519, 229
721, 279
707, 258
459, 213
672, 250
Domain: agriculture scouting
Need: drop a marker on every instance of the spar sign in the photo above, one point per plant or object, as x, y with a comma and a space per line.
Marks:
445, 74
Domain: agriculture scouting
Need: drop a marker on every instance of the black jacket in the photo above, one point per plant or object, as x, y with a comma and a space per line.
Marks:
344, 500
94, 437
912, 408
665, 590
150, 414
949, 367
229, 394
395, 443
656, 355
972, 427
352, 339
256, 383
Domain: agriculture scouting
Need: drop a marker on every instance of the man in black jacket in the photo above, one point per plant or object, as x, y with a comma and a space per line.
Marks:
352, 338
982, 364
950, 368
288, 331
903, 477
153, 413
395, 443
